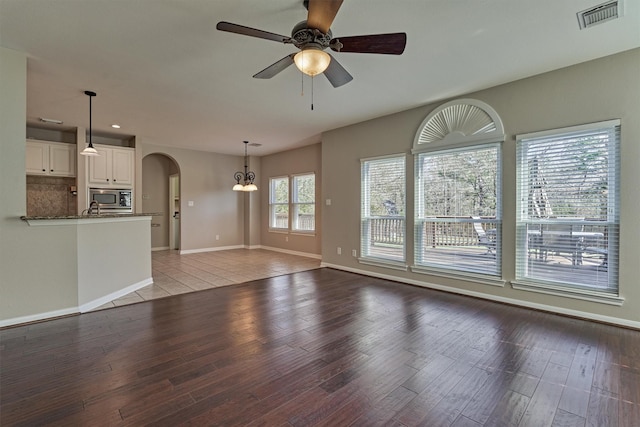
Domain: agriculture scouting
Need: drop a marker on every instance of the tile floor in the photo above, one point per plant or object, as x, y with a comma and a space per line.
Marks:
178, 274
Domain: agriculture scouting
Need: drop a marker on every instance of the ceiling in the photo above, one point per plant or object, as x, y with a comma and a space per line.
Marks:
164, 73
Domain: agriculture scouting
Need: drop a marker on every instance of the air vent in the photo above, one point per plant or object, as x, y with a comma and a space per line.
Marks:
599, 14
254, 144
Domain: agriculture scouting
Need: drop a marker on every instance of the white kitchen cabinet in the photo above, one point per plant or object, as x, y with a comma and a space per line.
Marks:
114, 167
50, 158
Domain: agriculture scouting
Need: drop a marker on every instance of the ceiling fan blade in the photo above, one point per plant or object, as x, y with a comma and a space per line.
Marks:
321, 14
252, 32
275, 68
336, 74
389, 44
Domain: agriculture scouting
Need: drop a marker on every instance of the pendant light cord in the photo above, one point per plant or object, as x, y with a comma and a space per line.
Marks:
311, 93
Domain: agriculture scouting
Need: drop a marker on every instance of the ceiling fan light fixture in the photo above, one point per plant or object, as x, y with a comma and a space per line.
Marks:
312, 61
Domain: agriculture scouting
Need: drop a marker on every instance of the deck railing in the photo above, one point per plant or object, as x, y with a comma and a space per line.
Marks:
387, 230
390, 230
305, 221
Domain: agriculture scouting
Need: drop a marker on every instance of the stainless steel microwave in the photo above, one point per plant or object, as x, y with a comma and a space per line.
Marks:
112, 201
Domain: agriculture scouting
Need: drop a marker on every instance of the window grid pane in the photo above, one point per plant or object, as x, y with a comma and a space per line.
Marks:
304, 196
567, 224
458, 210
383, 209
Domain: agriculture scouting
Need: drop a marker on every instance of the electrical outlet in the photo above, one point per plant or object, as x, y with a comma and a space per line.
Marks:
339, 250
217, 237
354, 252
190, 203
286, 238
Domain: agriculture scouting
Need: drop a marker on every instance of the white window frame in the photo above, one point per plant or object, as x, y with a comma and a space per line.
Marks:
296, 204
273, 204
367, 256
524, 222
451, 269
292, 204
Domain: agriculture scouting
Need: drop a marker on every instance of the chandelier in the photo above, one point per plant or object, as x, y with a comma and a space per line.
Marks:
247, 177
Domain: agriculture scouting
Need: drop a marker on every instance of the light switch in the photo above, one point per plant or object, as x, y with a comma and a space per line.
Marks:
190, 203
328, 202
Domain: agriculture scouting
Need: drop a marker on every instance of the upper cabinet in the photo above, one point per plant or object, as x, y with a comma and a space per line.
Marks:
50, 158
114, 167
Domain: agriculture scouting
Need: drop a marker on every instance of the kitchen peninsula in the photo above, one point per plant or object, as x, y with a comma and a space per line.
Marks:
112, 254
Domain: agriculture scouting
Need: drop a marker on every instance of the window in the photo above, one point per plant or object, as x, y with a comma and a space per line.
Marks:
383, 210
458, 210
568, 219
301, 204
279, 203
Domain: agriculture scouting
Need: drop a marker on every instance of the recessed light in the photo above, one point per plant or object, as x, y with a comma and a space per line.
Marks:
115, 126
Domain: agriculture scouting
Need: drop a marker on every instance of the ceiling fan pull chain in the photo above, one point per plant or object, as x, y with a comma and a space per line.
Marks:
311, 93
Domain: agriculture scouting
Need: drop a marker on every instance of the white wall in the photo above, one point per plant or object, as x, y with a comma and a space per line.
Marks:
206, 180
607, 88
114, 255
38, 266
298, 161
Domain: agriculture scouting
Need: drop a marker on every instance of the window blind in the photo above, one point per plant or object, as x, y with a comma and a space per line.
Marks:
568, 207
458, 210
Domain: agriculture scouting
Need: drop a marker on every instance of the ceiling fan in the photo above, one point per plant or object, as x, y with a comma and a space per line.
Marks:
313, 36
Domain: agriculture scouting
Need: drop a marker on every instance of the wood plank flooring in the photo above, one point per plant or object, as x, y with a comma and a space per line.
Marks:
319, 348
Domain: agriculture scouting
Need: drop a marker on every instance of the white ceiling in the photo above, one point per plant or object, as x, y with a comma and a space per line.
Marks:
163, 72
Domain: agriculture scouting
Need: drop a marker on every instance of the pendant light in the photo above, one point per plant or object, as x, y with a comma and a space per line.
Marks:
247, 177
89, 150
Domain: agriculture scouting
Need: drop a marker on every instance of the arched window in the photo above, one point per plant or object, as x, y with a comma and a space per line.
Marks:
458, 212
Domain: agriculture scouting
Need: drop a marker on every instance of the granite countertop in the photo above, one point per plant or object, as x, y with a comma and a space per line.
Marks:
107, 215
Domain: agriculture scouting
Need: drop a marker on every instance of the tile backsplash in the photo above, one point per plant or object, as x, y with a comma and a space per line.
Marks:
50, 196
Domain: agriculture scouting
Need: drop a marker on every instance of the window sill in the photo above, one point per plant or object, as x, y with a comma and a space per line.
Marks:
293, 233
460, 275
394, 265
303, 233
279, 230
585, 295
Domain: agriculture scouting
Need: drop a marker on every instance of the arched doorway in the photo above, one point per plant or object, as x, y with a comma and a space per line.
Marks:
161, 194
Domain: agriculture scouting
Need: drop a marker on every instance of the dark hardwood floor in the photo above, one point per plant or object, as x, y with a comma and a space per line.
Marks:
319, 348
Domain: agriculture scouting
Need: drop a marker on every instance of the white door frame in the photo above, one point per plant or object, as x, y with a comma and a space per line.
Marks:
174, 226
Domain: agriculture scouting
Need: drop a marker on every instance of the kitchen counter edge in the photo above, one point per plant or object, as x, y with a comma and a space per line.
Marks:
83, 219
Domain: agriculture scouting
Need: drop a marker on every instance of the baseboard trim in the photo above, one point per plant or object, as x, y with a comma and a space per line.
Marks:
160, 248
38, 317
286, 251
219, 248
542, 307
114, 295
